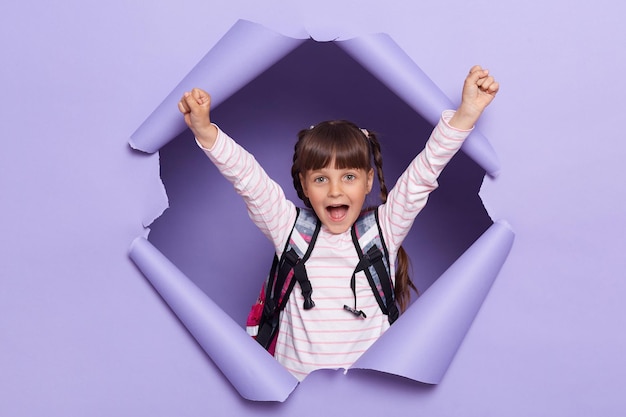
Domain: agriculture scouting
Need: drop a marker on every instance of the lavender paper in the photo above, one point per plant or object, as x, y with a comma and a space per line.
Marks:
431, 330
380, 55
423, 341
254, 373
245, 51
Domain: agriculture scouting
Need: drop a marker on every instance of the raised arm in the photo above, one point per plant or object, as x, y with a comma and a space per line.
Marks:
267, 206
411, 192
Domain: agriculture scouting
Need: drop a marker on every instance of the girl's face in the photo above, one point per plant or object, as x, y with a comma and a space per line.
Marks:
337, 195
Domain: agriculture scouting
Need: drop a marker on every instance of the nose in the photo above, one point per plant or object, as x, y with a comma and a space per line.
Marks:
335, 189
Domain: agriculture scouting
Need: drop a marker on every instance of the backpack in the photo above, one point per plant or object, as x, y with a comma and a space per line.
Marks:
264, 316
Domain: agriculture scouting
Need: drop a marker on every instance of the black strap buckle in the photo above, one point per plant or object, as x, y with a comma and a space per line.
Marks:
358, 313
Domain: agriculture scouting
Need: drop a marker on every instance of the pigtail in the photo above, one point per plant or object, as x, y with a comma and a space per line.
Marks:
377, 156
404, 284
296, 169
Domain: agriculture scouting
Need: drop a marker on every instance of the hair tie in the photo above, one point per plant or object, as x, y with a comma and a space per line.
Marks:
366, 133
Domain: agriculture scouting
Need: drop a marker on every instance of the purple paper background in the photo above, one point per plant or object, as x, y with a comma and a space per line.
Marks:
83, 333
212, 244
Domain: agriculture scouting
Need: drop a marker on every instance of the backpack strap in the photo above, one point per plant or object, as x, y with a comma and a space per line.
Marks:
297, 251
374, 262
286, 271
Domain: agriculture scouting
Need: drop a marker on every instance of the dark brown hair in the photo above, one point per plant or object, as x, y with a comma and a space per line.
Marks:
348, 146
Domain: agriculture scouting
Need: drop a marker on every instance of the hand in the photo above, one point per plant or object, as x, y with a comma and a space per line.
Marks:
195, 106
479, 90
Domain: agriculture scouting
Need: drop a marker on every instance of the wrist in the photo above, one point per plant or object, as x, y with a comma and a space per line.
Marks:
207, 136
464, 118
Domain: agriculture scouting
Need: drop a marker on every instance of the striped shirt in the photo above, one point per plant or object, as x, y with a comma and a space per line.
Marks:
328, 336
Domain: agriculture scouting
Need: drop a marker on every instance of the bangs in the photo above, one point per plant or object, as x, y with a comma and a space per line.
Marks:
339, 142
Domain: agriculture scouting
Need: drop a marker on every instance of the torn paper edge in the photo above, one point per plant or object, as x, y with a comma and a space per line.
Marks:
387, 62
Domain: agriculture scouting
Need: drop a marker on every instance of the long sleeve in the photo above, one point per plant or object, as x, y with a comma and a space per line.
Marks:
328, 336
267, 206
410, 194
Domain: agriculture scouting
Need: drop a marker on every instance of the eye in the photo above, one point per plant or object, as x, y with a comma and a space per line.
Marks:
319, 180
350, 177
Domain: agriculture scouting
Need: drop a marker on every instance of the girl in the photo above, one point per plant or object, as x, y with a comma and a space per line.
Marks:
332, 173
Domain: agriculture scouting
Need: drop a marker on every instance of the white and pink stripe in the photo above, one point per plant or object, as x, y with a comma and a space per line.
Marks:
328, 336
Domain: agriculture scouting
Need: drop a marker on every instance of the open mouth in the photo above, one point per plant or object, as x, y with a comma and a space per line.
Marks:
337, 213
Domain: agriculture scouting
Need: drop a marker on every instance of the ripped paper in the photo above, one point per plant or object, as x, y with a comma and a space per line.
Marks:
243, 53
380, 55
254, 373
422, 343
248, 49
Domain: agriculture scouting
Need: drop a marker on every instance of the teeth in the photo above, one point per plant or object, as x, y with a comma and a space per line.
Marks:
337, 212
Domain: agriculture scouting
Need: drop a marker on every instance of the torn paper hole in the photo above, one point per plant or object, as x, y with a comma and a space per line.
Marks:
287, 84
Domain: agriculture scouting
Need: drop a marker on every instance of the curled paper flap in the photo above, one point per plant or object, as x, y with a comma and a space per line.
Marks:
245, 51
254, 373
423, 341
381, 56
